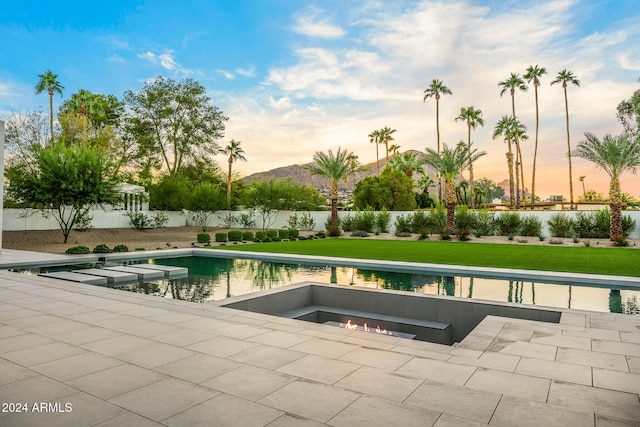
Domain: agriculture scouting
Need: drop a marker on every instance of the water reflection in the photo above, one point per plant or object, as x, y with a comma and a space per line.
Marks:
215, 279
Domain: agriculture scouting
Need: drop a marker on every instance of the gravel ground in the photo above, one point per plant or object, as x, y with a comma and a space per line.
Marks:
51, 241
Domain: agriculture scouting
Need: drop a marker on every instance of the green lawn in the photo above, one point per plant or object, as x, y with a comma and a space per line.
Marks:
614, 261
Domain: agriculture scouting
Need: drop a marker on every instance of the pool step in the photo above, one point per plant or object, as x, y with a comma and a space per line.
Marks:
141, 273
170, 272
76, 277
112, 276
122, 274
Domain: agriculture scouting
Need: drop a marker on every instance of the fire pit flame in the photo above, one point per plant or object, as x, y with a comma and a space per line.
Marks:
365, 328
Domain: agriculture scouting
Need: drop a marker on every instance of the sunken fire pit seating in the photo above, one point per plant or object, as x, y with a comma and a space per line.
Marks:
434, 318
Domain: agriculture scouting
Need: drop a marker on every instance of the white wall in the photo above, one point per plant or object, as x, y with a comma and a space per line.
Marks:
14, 219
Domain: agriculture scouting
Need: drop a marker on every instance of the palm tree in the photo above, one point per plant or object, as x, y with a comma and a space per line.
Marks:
407, 162
615, 155
565, 77
394, 149
387, 135
374, 138
425, 182
584, 191
533, 74
512, 83
337, 167
504, 128
235, 153
473, 118
450, 163
435, 90
49, 82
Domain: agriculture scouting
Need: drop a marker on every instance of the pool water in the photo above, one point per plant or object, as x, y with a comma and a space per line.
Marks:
214, 279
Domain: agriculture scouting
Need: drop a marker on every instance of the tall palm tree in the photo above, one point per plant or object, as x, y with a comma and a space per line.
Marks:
435, 90
584, 190
511, 84
386, 137
533, 74
473, 118
235, 153
393, 148
450, 163
407, 162
49, 82
426, 182
337, 167
615, 155
503, 128
375, 138
565, 77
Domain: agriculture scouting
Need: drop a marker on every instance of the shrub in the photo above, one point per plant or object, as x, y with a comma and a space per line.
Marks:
221, 237
584, 225
620, 241
272, 233
531, 226
628, 225
382, 221
464, 221
359, 233
402, 225
346, 222
307, 223
78, 250
120, 248
283, 234
160, 219
83, 221
204, 238
419, 221
138, 220
101, 249
294, 233
508, 223
235, 235
364, 220
560, 225
276, 239
139, 249
438, 217
485, 223
247, 235
261, 235
229, 220
246, 219
332, 231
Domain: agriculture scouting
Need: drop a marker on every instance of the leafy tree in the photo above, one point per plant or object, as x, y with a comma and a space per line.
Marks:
205, 200
489, 189
565, 77
628, 113
235, 153
174, 123
270, 196
450, 163
615, 155
392, 190
337, 167
511, 84
407, 163
170, 193
49, 82
533, 74
64, 181
435, 90
473, 118
97, 109
25, 131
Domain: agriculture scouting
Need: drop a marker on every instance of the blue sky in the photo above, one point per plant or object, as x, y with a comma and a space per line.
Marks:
299, 76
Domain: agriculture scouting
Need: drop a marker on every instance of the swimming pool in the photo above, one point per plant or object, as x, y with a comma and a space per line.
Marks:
214, 279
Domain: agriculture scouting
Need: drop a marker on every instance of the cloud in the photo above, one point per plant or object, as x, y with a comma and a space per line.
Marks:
117, 59
246, 72
228, 75
310, 24
165, 60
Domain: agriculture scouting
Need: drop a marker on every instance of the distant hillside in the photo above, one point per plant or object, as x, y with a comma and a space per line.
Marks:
299, 174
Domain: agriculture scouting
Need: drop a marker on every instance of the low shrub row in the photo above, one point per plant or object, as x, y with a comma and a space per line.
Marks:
249, 236
99, 249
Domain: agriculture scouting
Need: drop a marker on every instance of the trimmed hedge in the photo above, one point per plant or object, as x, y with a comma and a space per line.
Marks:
204, 238
261, 235
294, 233
78, 250
272, 233
283, 234
120, 248
101, 249
235, 235
221, 237
247, 235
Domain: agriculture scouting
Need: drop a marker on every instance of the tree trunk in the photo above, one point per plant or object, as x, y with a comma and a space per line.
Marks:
51, 116
334, 204
438, 137
229, 183
451, 206
615, 229
535, 152
566, 109
471, 202
510, 165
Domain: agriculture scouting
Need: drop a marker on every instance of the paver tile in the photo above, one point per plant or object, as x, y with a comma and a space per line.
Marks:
605, 421
437, 371
593, 358
510, 384
616, 380
319, 402
591, 399
35, 389
459, 401
76, 366
602, 334
565, 341
85, 336
163, 399
20, 342
266, 356
632, 337
282, 339
11, 372
634, 364
447, 420
225, 410
155, 354
370, 410
42, 353
513, 411
118, 345
324, 347
567, 372
388, 385
198, 368
526, 349
115, 381
501, 362
249, 382
318, 368
626, 348
291, 420
222, 346
181, 337
387, 360
129, 419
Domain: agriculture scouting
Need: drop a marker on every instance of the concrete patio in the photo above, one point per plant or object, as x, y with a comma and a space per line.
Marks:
103, 357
